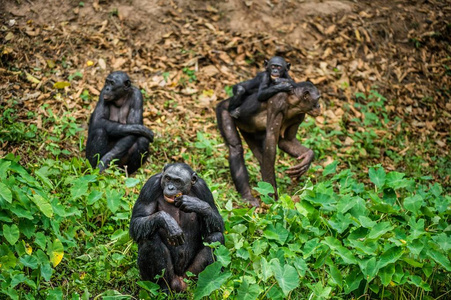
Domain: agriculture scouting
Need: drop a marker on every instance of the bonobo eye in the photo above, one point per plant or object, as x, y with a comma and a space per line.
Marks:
167, 178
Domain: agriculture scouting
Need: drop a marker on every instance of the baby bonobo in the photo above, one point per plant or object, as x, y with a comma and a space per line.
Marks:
266, 84
116, 130
174, 216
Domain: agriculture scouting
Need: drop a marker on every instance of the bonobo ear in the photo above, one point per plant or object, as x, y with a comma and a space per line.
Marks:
306, 95
288, 66
194, 178
266, 63
165, 167
128, 83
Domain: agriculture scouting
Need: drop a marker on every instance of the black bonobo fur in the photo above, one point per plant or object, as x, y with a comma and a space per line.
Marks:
265, 126
116, 130
266, 84
174, 215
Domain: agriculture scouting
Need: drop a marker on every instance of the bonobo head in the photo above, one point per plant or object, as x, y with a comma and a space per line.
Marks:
277, 67
177, 180
117, 85
309, 96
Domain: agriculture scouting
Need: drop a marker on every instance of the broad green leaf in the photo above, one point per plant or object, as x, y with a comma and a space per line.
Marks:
46, 271
210, 280
368, 247
4, 166
278, 233
366, 222
320, 291
415, 247
223, 255
131, 182
266, 270
416, 280
264, 188
417, 228
443, 241
440, 259
41, 240
386, 274
113, 200
300, 265
321, 198
340, 222
57, 252
61, 84
17, 279
29, 261
335, 274
43, 205
353, 281
379, 229
412, 262
11, 233
286, 276
396, 180
259, 246
331, 168
413, 203
346, 203
309, 247
248, 292
5, 193
377, 176
57, 294
341, 251
390, 256
369, 268
94, 196
150, 286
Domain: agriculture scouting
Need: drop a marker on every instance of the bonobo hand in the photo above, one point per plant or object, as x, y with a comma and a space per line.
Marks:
300, 169
281, 80
191, 204
284, 86
175, 233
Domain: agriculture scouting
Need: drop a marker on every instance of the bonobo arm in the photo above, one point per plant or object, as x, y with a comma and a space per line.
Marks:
101, 114
202, 203
291, 145
146, 220
275, 111
266, 91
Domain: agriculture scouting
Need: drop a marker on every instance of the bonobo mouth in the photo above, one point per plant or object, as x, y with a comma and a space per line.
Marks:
274, 76
171, 199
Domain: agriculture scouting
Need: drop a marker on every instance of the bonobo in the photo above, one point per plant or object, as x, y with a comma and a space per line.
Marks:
266, 84
174, 215
274, 123
116, 130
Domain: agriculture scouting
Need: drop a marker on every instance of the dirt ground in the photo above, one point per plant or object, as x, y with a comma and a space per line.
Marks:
400, 48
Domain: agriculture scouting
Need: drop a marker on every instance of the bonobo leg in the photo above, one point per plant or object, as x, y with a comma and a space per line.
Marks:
205, 256
137, 155
153, 258
255, 144
232, 139
119, 150
96, 146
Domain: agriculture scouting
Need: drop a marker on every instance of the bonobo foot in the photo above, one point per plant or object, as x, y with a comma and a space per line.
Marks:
299, 169
252, 201
235, 113
178, 285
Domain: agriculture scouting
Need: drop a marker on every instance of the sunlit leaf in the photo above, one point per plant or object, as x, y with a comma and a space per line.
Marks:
43, 205
390, 256
440, 258
61, 84
248, 292
57, 253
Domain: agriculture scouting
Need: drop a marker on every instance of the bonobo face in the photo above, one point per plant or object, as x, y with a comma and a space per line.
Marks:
117, 84
277, 67
176, 181
309, 96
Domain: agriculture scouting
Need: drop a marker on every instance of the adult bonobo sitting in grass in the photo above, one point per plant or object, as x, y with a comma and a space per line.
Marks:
174, 216
116, 130
266, 126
